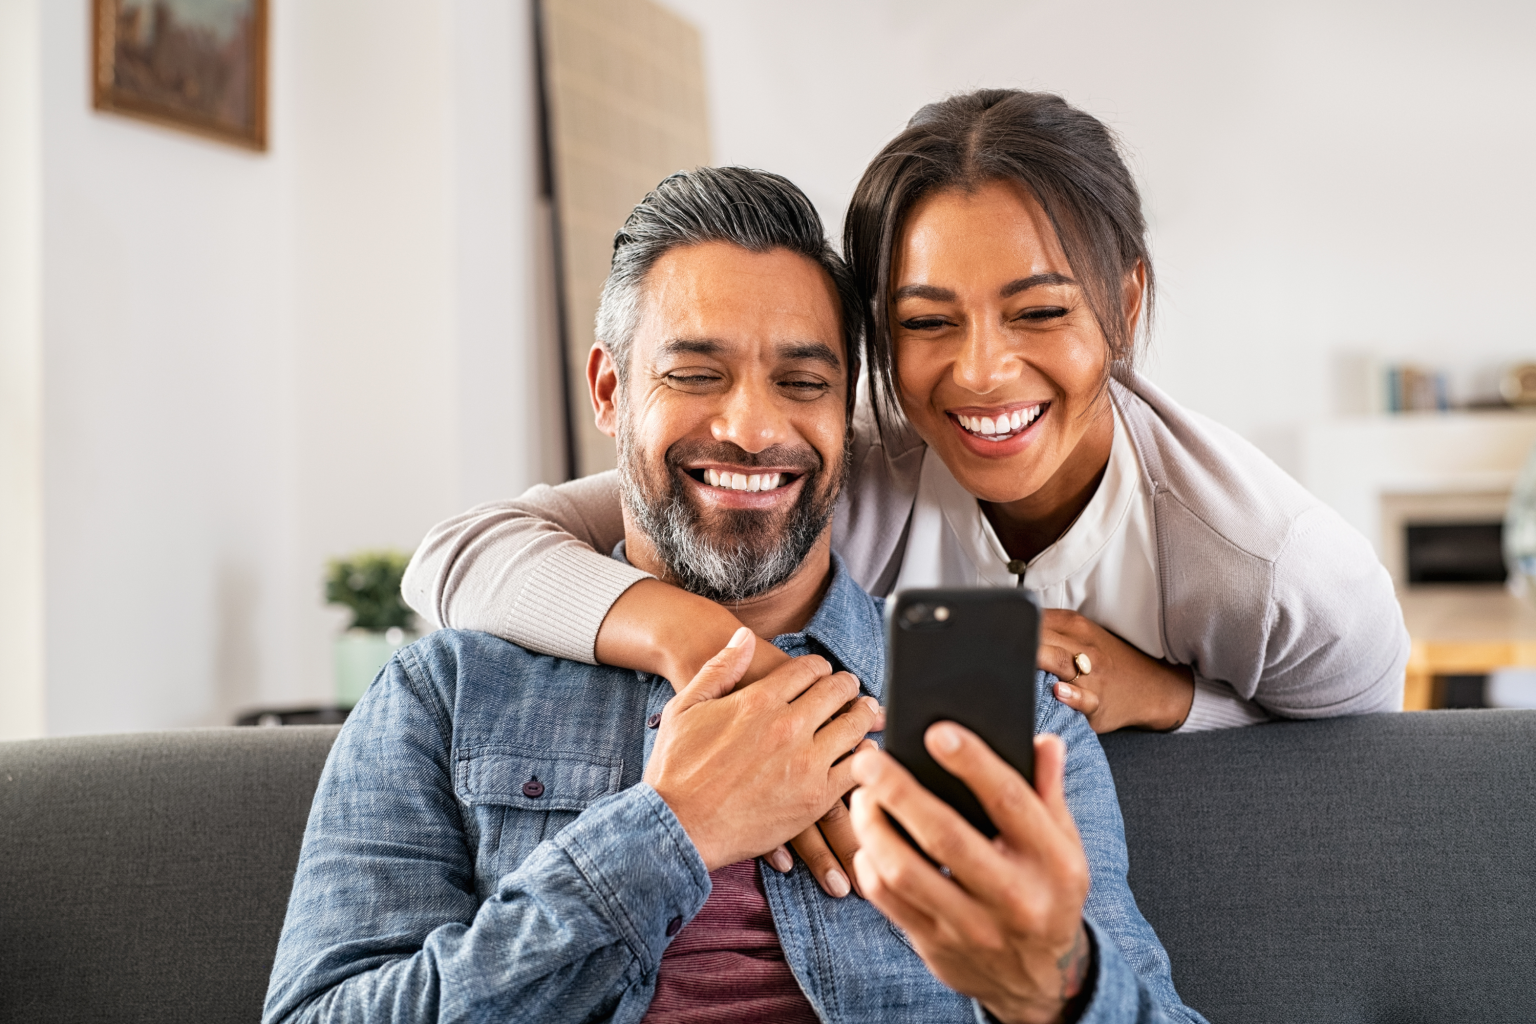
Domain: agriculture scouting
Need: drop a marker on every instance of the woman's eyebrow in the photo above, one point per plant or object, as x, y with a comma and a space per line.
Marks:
1013, 288
924, 291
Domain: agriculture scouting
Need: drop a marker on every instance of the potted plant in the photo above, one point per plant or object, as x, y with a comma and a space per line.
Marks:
367, 583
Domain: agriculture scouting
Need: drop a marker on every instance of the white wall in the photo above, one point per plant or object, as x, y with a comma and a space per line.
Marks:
257, 361
1320, 176
21, 373
219, 368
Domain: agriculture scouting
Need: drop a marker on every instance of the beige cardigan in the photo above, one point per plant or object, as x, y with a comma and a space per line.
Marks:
1278, 605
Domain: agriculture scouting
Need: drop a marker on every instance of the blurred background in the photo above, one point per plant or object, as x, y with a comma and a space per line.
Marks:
234, 350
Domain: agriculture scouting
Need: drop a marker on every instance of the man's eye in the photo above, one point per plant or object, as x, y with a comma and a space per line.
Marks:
691, 380
1042, 313
804, 389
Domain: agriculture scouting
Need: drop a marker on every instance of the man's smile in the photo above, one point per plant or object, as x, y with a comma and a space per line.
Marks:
722, 485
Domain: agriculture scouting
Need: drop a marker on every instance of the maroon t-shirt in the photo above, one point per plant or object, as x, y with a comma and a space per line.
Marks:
726, 966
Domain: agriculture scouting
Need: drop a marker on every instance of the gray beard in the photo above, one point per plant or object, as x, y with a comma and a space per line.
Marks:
741, 557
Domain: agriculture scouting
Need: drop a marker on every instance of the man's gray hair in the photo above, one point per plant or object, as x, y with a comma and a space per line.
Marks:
756, 210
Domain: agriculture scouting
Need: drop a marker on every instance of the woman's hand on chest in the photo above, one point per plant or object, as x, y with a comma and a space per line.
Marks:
1122, 687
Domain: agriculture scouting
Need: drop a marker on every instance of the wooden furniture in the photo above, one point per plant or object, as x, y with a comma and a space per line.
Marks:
623, 95
1463, 630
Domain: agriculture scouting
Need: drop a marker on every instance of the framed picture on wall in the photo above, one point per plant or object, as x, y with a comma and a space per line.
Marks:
199, 65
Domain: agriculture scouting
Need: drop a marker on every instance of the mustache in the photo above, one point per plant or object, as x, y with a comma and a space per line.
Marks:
802, 459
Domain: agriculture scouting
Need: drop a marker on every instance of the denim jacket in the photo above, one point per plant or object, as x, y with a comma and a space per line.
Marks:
481, 848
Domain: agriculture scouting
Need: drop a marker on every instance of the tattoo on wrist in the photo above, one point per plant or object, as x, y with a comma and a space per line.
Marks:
1073, 965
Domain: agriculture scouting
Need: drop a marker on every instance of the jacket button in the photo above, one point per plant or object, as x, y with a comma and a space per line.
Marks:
533, 789
653, 721
674, 926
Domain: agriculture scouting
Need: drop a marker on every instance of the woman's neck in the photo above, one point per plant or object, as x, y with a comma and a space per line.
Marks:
1029, 525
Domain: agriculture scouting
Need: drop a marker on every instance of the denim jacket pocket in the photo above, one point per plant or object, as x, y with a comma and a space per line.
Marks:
535, 780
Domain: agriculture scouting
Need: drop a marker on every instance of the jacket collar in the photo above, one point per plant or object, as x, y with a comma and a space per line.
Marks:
850, 626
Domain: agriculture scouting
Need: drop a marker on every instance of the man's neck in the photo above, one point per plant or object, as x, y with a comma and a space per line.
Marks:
784, 609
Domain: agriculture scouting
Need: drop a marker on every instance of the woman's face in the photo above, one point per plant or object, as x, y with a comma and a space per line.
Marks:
999, 359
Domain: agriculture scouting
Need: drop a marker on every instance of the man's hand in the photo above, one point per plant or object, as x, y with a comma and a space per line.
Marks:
745, 771
1125, 686
1006, 926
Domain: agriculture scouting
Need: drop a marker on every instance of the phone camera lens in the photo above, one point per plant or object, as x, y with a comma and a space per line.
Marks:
916, 613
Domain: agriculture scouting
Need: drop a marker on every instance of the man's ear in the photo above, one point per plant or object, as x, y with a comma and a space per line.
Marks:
603, 384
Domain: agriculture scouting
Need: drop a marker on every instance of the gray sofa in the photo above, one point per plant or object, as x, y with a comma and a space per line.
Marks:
1379, 869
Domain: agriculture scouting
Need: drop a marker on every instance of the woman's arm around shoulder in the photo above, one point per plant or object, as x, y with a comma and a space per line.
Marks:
536, 571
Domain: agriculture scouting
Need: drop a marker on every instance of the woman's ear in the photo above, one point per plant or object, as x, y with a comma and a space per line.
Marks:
603, 384
1133, 293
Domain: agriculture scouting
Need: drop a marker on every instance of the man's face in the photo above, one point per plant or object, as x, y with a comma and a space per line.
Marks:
732, 421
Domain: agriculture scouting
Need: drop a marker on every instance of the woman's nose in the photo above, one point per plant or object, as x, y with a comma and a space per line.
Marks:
984, 362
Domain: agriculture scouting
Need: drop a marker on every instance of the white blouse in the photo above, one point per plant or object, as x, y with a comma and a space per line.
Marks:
1104, 567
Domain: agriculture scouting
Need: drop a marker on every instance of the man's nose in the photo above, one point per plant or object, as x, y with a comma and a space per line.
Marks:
985, 361
750, 419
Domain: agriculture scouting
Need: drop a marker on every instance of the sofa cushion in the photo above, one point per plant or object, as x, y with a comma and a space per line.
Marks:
1380, 868
145, 877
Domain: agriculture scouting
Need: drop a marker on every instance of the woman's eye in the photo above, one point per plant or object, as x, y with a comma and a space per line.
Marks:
1042, 313
925, 323
805, 388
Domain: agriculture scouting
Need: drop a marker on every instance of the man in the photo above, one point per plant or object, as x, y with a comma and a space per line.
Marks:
501, 835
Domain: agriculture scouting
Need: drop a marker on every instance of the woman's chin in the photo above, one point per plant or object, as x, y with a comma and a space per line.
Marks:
995, 476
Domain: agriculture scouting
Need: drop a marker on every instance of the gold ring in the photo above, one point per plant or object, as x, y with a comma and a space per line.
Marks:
1082, 664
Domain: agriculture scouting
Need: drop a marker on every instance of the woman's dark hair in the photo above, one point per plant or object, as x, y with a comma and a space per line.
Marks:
1068, 161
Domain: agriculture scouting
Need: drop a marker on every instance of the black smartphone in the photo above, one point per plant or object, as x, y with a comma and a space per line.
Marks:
965, 656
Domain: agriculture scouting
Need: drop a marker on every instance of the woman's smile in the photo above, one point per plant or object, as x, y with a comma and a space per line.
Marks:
998, 432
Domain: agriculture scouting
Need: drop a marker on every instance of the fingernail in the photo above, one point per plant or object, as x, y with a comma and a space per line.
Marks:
781, 861
1065, 691
837, 883
946, 738
739, 637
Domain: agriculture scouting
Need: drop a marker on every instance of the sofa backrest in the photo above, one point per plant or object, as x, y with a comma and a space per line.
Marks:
1371, 869
144, 877
1380, 868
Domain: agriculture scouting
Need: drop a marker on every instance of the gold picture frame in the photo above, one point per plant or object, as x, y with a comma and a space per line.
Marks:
197, 65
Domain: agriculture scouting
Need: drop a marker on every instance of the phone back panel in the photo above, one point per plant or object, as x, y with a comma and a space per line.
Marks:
965, 656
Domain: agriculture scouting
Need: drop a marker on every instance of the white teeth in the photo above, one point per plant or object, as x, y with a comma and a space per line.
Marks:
1007, 423
743, 482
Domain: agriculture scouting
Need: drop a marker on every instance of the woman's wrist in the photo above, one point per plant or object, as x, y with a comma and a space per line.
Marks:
1177, 696
658, 628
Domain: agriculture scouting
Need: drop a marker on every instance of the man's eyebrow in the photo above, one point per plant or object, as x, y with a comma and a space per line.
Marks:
1013, 288
818, 351
692, 346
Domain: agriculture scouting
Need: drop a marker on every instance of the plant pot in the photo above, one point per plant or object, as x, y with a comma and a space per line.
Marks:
358, 655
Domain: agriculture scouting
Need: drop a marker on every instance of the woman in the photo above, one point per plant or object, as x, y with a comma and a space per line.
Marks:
1000, 246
